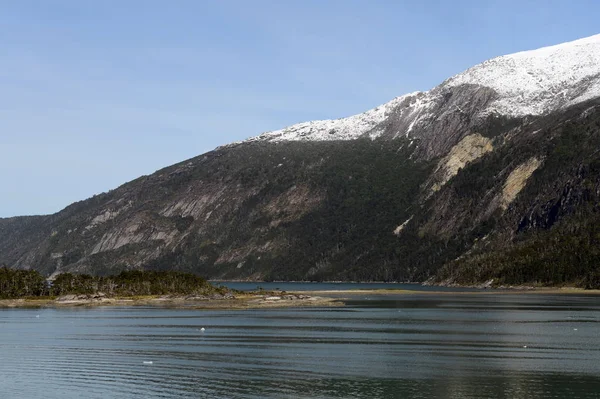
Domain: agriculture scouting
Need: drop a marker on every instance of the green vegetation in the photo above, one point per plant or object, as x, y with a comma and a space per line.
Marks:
566, 255
21, 283
371, 189
30, 283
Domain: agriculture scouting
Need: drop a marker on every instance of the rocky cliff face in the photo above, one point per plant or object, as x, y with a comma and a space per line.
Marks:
494, 159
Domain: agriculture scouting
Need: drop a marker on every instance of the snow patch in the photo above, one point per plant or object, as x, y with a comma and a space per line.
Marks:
539, 81
336, 129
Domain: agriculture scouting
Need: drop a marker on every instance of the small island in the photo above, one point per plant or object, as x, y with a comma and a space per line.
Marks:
28, 288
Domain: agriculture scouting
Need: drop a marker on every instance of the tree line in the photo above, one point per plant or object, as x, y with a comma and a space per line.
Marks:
30, 283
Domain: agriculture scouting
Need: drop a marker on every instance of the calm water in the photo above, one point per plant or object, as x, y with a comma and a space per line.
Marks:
302, 286
446, 346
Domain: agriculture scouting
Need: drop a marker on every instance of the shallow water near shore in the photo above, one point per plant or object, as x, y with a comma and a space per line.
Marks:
335, 286
377, 346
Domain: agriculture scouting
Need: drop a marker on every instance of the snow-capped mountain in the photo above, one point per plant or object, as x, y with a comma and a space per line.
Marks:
532, 82
494, 175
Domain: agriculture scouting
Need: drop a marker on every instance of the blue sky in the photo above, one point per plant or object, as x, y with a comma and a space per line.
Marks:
96, 93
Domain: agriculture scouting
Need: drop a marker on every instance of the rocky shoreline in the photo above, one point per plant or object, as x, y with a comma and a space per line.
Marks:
215, 301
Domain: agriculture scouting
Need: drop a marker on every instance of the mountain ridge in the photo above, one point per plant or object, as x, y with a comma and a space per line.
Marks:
517, 82
435, 185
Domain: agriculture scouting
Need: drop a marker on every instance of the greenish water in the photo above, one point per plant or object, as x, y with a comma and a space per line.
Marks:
378, 346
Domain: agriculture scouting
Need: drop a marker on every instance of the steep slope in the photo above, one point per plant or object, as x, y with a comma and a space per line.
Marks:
492, 163
541, 226
252, 211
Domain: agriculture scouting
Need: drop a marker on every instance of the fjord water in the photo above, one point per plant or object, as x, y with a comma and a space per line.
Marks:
334, 286
452, 345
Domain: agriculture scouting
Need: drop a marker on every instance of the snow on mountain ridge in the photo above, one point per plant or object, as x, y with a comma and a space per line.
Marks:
538, 81
530, 82
335, 129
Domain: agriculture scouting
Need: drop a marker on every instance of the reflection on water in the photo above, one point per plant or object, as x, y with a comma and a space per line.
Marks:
447, 346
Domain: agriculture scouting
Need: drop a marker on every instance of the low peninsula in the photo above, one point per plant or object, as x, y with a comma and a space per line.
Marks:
29, 289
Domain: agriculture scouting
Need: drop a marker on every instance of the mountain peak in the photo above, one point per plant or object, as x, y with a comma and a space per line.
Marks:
533, 82
539, 81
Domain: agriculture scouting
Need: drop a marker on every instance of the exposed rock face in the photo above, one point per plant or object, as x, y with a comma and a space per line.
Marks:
466, 151
398, 230
293, 204
516, 181
106, 215
452, 113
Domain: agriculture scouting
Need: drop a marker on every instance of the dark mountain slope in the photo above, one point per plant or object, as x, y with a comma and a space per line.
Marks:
257, 210
550, 235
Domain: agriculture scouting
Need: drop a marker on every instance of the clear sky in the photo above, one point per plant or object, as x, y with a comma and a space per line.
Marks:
96, 93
